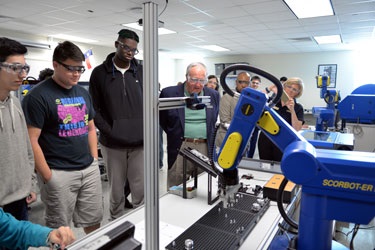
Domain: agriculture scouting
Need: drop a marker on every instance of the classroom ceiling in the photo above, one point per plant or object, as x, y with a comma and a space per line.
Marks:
242, 26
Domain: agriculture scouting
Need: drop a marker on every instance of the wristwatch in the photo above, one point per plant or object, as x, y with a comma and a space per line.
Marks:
267, 90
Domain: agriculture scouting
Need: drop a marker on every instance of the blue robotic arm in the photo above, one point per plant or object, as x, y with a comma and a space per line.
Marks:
250, 107
336, 185
325, 116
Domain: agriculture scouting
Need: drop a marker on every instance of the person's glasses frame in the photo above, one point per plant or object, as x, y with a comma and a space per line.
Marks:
243, 82
15, 68
72, 69
292, 89
127, 48
196, 80
211, 81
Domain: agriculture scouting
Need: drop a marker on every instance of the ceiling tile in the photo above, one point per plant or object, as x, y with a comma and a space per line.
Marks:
244, 26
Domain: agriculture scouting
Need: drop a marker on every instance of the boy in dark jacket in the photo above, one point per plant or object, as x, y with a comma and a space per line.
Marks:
117, 93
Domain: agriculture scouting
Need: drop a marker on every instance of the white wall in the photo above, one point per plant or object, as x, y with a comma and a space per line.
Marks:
167, 70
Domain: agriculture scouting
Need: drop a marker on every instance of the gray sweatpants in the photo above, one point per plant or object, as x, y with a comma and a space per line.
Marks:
122, 165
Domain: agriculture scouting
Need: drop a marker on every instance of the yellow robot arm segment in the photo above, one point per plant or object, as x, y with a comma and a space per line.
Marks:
230, 150
267, 123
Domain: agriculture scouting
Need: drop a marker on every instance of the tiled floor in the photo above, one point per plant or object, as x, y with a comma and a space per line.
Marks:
364, 240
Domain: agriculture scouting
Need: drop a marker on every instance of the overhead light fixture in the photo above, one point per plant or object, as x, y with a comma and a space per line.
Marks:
35, 45
139, 26
310, 8
214, 48
328, 39
73, 38
32, 44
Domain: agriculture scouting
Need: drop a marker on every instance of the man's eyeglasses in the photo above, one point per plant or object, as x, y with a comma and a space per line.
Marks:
79, 69
127, 48
243, 82
196, 80
292, 89
15, 68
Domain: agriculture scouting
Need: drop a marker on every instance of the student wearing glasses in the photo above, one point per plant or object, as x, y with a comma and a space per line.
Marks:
116, 87
187, 127
16, 157
290, 110
59, 115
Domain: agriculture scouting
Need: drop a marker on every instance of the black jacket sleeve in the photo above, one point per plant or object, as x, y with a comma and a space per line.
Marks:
95, 89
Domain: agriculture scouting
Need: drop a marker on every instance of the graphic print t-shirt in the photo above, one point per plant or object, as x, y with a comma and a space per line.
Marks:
63, 116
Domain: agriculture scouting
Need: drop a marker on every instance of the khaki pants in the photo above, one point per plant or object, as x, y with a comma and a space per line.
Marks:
74, 194
175, 174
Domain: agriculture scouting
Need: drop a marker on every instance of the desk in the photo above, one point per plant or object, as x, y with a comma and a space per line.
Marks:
182, 213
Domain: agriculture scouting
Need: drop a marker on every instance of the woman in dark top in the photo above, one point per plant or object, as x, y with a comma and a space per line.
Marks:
290, 110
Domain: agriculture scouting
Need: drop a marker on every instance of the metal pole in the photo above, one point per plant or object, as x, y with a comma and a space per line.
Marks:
151, 124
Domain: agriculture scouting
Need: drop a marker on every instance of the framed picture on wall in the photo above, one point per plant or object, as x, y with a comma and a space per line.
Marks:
328, 70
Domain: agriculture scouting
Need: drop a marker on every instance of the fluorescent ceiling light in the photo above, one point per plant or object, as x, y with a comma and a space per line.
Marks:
328, 39
213, 48
73, 38
136, 26
35, 45
164, 31
310, 8
32, 44
133, 26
